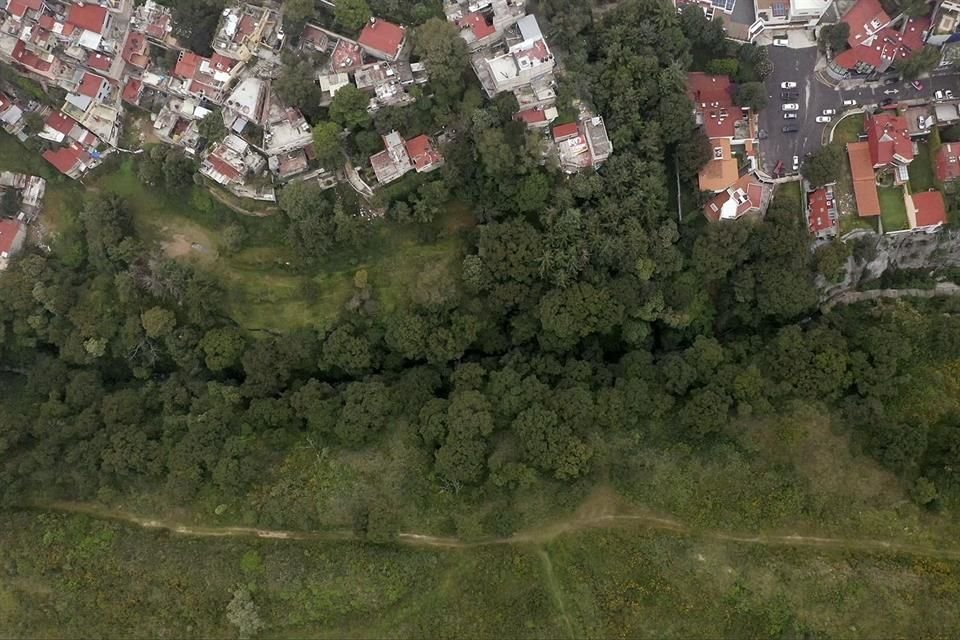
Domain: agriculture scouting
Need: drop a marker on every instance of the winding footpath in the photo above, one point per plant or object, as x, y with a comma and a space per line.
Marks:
576, 523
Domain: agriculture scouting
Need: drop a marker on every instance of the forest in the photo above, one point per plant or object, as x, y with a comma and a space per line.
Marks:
586, 328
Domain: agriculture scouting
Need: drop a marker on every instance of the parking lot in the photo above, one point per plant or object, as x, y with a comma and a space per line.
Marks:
797, 65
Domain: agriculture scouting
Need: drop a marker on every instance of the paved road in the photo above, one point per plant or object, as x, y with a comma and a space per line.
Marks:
797, 65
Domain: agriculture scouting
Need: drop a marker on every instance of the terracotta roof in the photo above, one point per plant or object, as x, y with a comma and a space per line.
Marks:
99, 61
19, 8
187, 64
478, 24
9, 230
562, 131
59, 122
819, 216
346, 55
888, 45
712, 97
223, 167
382, 36
930, 208
530, 116
29, 59
131, 91
246, 27
422, 153
741, 197
864, 181
865, 18
66, 159
722, 170
135, 50
222, 63
888, 136
948, 162
46, 22
91, 17
90, 85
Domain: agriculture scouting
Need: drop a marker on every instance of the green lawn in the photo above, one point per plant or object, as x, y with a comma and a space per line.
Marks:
893, 211
921, 169
848, 129
790, 193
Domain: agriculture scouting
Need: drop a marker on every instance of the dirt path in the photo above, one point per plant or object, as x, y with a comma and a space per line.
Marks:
224, 200
942, 289
602, 511
553, 586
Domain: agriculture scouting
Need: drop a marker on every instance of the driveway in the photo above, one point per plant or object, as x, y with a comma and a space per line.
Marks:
797, 65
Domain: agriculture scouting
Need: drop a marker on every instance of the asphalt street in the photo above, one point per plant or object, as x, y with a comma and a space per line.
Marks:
797, 65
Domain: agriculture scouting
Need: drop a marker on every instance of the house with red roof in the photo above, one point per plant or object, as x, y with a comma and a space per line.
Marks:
136, 50
882, 49
89, 17
60, 128
99, 61
132, 91
929, 210
72, 160
729, 127
947, 162
582, 145
91, 89
888, 138
747, 196
822, 213
46, 66
20, 9
382, 39
423, 155
537, 117
153, 20
197, 76
483, 23
13, 233
864, 179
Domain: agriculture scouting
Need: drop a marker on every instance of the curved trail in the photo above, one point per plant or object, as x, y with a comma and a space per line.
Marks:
585, 518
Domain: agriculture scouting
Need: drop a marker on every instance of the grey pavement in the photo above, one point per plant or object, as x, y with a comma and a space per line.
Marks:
798, 65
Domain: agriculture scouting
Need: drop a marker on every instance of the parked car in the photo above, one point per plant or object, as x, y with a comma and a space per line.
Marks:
938, 95
780, 42
823, 119
789, 95
891, 92
916, 85
788, 85
922, 123
796, 162
849, 103
829, 112
790, 106
943, 95
790, 128
948, 94
790, 115
889, 81
886, 102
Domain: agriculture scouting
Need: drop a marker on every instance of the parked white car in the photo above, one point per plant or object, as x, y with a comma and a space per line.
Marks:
943, 95
788, 85
849, 103
780, 42
938, 95
790, 115
829, 112
823, 119
791, 106
796, 162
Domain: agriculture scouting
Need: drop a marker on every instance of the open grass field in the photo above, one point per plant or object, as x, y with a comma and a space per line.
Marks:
893, 211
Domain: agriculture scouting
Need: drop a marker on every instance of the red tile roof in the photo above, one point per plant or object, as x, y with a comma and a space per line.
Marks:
59, 122
158, 28
864, 180
223, 167
19, 8
66, 159
948, 162
865, 18
187, 65
422, 153
930, 208
131, 91
382, 36
91, 17
346, 56
712, 97
91, 84
819, 217
29, 59
888, 45
222, 63
9, 230
246, 27
135, 50
478, 24
562, 131
888, 136
531, 116
46, 22
99, 61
